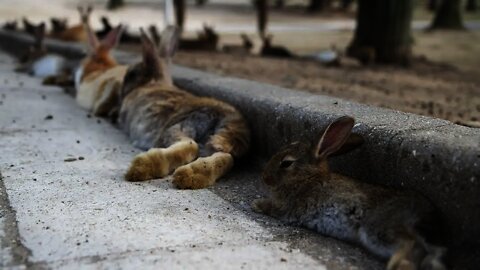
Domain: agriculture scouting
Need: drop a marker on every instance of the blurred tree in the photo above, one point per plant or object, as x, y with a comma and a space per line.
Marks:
471, 5
279, 3
113, 4
448, 15
180, 10
318, 5
345, 4
432, 5
200, 2
383, 32
262, 16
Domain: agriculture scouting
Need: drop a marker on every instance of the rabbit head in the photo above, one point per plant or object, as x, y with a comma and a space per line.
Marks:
99, 57
37, 49
209, 34
58, 25
85, 13
155, 63
28, 26
267, 40
300, 159
106, 23
10, 25
247, 42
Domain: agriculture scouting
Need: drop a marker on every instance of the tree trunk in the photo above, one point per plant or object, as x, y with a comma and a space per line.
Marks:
383, 32
318, 5
113, 4
280, 3
200, 2
432, 5
471, 5
345, 4
448, 16
262, 16
180, 10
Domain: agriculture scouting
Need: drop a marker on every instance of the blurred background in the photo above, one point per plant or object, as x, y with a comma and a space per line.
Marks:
419, 56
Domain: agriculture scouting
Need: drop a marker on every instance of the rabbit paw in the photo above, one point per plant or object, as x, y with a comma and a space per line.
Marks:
261, 206
144, 167
186, 178
402, 265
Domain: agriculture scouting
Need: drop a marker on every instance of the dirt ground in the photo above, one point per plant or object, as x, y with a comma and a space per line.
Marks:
426, 88
449, 91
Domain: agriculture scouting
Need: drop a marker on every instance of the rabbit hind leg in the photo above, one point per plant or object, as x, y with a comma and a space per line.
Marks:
203, 172
159, 162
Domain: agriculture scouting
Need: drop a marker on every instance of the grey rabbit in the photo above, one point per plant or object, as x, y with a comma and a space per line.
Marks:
391, 224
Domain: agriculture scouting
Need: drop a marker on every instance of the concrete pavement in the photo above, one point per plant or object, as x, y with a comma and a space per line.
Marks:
64, 203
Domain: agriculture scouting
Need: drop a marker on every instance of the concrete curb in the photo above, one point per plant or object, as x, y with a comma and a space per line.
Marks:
435, 157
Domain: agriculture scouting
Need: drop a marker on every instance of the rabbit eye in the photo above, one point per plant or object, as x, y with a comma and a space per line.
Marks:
286, 163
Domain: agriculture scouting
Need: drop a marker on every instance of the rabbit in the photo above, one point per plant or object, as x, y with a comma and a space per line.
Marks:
389, 223
10, 25
245, 48
99, 77
206, 41
39, 63
175, 126
125, 37
274, 51
59, 25
77, 32
156, 37
28, 26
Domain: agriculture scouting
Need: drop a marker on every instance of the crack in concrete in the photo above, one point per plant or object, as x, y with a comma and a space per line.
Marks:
12, 238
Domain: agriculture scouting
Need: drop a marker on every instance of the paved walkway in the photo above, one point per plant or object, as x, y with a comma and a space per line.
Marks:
82, 214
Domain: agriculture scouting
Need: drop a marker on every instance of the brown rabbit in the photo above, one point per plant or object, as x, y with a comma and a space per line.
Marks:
389, 223
206, 41
77, 32
175, 125
99, 77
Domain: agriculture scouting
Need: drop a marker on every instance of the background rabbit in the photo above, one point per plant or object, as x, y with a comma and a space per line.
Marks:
206, 41
99, 77
75, 33
274, 51
392, 224
175, 125
10, 25
59, 25
39, 63
243, 49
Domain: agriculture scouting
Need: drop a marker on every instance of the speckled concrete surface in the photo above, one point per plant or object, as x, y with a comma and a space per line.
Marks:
82, 214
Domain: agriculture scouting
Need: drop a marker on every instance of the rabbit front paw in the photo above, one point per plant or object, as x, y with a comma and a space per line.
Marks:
261, 206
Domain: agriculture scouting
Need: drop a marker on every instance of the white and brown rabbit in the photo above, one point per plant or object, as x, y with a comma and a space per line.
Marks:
175, 126
394, 225
53, 68
99, 78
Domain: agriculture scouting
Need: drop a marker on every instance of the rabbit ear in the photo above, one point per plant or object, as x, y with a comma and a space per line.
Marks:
168, 43
93, 42
353, 142
150, 57
39, 33
334, 137
112, 38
